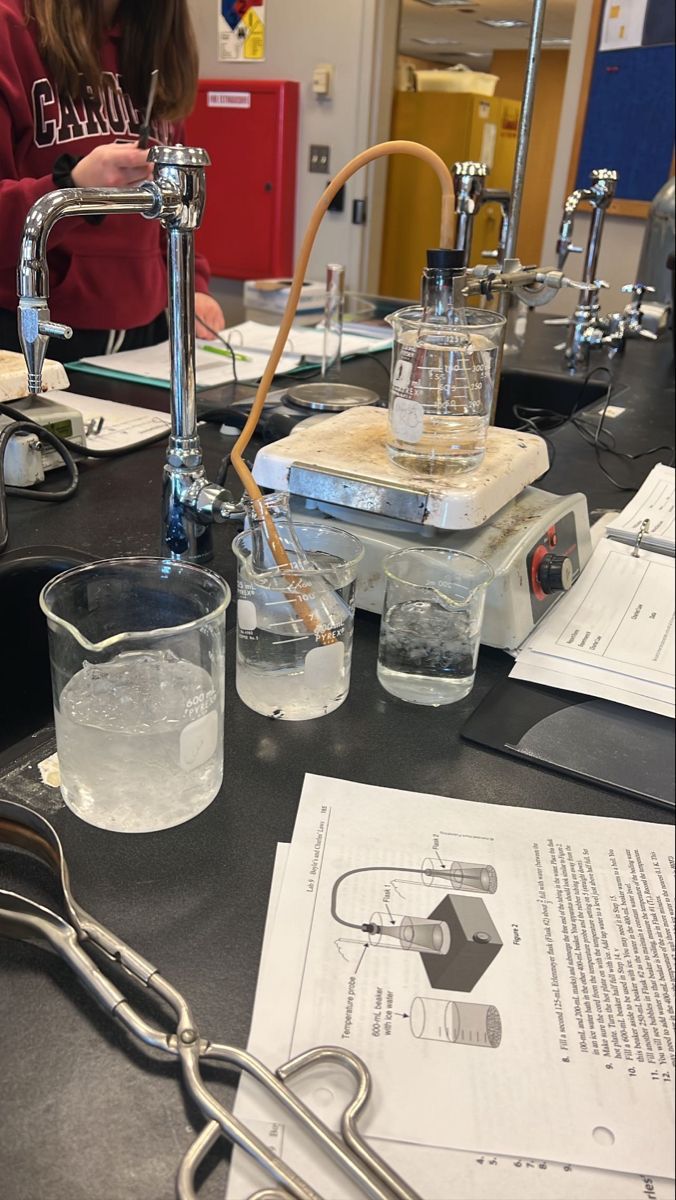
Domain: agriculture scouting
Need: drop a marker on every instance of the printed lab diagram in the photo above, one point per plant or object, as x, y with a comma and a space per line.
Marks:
457, 941
454, 1021
433, 937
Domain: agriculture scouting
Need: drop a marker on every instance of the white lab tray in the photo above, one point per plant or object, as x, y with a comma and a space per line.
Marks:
14, 378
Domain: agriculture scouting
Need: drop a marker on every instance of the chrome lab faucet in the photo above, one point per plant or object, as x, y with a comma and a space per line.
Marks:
471, 194
587, 327
175, 196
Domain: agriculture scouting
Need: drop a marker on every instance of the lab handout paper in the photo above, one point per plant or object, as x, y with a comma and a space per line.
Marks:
213, 364
612, 634
655, 505
512, 993
251, 344
436, 1174
123, 424
309, 342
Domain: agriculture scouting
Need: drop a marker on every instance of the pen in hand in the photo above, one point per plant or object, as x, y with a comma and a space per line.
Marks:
144, 129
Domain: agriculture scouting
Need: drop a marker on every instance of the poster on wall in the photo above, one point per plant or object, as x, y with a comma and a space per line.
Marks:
623, 22
241, 30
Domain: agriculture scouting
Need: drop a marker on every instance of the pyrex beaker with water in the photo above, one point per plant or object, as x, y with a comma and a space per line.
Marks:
441, 388
295, 623
431, 624
137, 650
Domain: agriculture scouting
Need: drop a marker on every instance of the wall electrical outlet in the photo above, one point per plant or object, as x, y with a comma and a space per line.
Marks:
322, 81
320, 157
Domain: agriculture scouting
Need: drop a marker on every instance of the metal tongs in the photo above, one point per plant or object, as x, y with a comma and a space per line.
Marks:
70, 937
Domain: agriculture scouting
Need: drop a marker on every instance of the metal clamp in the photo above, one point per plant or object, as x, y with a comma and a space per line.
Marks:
70, 937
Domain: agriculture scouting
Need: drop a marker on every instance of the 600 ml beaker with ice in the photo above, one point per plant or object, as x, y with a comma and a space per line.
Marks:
295, 622
441, 389
137, 650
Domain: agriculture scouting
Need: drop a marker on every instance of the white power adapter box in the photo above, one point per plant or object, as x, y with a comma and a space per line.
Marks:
26, 457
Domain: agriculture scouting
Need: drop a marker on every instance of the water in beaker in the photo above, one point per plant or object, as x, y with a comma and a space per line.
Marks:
137, 649
295, 623
431, 624
441, 389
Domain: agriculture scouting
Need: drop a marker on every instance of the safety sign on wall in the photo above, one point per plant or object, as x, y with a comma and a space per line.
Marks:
241, 30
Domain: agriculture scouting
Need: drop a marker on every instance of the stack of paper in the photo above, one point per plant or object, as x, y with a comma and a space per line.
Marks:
213, 364
251, 343
612, 635
118, 425
652, 508
528, 1057
251, 335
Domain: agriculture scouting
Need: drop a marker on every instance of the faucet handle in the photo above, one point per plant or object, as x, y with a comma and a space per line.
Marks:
477, 170
490, 253
598, 285
638, 290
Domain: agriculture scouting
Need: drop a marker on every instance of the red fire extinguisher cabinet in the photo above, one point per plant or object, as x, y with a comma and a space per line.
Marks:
250, 129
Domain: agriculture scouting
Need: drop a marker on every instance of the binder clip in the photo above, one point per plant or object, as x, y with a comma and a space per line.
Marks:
645, 528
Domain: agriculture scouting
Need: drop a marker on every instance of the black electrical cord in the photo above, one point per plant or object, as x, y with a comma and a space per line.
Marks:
16, 414
229, 414
599, 438
31, 493
224, 341
375, 358
306, 373
530, 423
222, 473
594, 439
20, 422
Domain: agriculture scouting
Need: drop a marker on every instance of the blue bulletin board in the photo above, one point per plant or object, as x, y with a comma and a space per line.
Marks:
629, 123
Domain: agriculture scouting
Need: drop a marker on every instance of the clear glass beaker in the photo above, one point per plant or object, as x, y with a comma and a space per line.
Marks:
295, 623
431, 624
441, 388
137, 650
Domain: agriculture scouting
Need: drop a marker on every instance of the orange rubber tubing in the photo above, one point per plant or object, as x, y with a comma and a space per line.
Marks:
417, 150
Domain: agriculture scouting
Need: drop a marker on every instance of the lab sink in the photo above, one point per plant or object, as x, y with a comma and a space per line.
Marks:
25, 685
555, 392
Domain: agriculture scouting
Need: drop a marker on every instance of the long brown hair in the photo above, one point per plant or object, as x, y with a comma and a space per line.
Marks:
154, 33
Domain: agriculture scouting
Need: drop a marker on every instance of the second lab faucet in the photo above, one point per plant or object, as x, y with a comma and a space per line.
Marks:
587, 328
471, 194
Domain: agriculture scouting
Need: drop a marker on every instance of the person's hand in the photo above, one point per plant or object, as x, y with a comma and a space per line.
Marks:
208, 316
114, 165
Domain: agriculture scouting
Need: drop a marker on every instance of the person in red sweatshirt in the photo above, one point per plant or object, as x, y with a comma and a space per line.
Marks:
74, 82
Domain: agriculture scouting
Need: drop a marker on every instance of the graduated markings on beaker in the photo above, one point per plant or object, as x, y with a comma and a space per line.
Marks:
458, 1022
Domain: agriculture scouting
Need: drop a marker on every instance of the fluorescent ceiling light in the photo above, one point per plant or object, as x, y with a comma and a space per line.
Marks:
556, 41
434, 41
442, 3
504, 23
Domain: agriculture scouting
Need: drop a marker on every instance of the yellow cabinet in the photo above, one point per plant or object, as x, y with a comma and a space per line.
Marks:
457, 127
